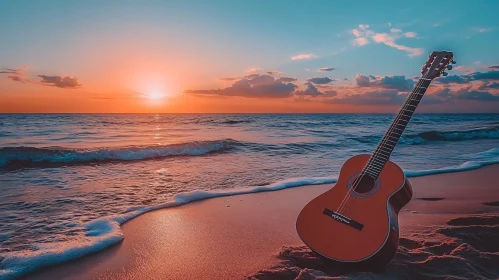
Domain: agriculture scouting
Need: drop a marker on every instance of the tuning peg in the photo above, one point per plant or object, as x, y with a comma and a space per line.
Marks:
449, 67
453, 62
445, 74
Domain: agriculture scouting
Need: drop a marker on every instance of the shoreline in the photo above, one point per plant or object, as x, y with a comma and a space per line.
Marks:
251, 217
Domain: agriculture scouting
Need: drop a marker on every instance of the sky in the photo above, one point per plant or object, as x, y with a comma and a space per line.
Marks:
244, 56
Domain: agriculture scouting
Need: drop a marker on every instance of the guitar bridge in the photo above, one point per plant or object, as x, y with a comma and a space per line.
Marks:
345, 220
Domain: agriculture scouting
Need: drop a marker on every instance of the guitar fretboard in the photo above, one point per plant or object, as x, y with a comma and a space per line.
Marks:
385, 148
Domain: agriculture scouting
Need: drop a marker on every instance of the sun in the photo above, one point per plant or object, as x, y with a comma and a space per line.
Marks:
155, 95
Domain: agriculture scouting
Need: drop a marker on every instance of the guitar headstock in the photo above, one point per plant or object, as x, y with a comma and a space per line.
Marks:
436, 64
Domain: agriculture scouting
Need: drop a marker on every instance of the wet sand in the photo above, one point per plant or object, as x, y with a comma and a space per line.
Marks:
449, 229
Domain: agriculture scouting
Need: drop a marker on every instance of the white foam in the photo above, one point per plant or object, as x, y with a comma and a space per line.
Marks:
104, 232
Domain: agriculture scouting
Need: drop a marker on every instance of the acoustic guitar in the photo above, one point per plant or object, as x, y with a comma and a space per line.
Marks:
356, 222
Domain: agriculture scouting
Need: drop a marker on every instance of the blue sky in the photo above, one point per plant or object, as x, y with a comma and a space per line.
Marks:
204, 41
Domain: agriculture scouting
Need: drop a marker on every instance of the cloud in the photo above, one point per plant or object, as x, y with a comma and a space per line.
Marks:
399, 83
9, 71
60, 81
410, 34
361, 80
476, 95
494, 85
320, 81
453, 79
311, 90
390, 41
259, 85
360, 41
493, 67
228, 79
482, 29
274, 72
491, 75
328, 69
303, 56
364, 35
377, 97
253, 70
16, 75
286, 79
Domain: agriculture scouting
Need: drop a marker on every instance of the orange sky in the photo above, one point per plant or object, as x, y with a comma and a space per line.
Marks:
249, 58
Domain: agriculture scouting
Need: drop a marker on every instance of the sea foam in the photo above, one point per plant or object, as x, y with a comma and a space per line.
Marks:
106, 231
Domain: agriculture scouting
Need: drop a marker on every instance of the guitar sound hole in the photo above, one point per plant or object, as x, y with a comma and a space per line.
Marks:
364, 184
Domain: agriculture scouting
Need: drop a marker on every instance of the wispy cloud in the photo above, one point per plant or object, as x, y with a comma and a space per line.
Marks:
481, 29
303, 56
16, 75
326, 69
253, 70
228, 79
60, 81
275, 72
320, 80
363, 35
410, 34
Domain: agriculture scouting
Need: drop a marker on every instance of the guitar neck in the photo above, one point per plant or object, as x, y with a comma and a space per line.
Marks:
385, 148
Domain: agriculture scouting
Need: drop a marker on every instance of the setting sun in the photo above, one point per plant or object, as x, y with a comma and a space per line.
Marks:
155, 95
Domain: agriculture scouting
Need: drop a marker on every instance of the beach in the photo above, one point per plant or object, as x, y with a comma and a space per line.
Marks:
449, 229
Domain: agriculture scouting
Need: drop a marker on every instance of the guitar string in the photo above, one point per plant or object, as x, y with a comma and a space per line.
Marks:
377, 151
412, 97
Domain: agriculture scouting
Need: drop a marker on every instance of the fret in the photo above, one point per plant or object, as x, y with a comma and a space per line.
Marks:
376, 170
404, 115
388, 142
373, 169
394, 142
395, 137
383, 156
371, 174
378, 165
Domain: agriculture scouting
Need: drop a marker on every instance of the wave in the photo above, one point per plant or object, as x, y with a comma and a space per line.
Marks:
490, 132
29, 156
235, 121
106, 231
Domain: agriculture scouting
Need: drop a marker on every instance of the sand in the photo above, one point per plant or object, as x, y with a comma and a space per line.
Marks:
450, 229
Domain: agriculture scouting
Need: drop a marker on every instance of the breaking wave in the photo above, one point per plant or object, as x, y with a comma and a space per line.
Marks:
30, 156
491, 132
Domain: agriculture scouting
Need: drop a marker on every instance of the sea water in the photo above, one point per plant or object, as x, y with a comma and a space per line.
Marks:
67, 182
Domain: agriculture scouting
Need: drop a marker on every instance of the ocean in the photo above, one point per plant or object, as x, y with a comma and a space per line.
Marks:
68, 181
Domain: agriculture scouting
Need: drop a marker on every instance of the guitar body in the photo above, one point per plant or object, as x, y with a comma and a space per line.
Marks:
365, 232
